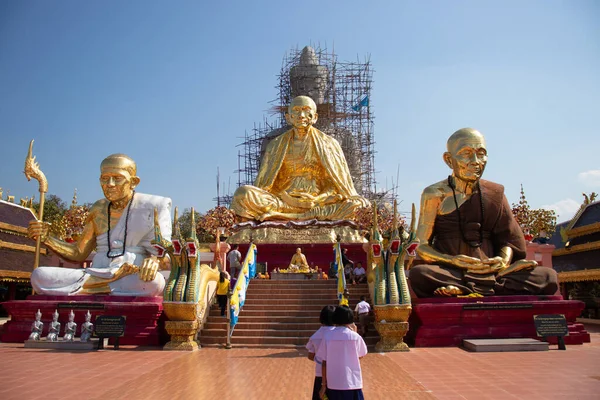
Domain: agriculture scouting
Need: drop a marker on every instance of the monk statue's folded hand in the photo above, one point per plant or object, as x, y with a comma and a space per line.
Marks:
38, 228
518, 266
332, 199
465, 262
149, 269
303, 200
489, 266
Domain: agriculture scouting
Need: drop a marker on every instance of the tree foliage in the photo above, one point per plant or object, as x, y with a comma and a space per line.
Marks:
185, 222
385, 218
533, 221
54, 210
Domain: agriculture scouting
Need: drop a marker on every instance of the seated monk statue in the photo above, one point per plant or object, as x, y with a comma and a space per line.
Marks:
470, 240
299, 260
120, 228
303, 175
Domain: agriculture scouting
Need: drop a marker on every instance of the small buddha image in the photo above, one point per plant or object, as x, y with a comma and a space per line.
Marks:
37, 327
54, 329
87, 328
298, 262
70, 328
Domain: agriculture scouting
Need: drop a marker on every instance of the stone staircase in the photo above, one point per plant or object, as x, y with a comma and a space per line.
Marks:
280, 314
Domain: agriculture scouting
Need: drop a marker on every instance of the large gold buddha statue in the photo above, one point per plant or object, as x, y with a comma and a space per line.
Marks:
303, 175
470, 240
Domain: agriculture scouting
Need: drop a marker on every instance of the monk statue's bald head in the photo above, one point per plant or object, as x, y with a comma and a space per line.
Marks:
467, 154
118, 179
464, 135
119, 161
302, 112
302, 101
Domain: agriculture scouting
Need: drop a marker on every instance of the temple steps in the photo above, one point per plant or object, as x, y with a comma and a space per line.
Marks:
280, 314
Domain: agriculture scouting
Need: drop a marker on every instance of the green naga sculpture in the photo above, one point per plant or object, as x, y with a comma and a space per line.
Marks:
387, 282
186, 290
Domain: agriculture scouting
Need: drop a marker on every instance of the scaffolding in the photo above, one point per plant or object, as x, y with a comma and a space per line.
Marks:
345, 112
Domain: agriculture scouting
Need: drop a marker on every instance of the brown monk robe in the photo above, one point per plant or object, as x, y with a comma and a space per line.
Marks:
500, 229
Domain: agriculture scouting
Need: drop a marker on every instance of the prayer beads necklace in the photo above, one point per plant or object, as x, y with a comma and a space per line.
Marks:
108, 253
471, 243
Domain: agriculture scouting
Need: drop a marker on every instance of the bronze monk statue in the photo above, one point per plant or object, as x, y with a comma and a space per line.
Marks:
303, 175
470, 240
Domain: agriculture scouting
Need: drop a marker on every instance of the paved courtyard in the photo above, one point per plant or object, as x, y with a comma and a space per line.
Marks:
425, 373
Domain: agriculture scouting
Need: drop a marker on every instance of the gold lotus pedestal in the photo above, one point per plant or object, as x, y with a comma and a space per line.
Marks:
182, 325
391, 322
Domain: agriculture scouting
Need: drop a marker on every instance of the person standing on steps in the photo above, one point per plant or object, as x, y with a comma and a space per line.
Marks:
222, 290
235, 261
363, 309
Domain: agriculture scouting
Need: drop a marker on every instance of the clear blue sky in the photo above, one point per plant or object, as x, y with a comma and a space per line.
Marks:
175, 84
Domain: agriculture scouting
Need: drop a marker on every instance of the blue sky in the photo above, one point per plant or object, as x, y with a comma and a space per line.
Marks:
175, 84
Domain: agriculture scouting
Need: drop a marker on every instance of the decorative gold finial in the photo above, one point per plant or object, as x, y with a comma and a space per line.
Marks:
176, 227
193, 222
32, 170
74, 201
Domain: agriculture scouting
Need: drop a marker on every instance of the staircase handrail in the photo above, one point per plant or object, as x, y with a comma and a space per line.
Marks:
238, 295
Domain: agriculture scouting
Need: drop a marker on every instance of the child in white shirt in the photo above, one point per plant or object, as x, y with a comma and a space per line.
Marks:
340, 352
314, 342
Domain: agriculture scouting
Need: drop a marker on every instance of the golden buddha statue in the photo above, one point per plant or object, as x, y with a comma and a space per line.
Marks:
303, 175
120, 227
299, 260
470, 240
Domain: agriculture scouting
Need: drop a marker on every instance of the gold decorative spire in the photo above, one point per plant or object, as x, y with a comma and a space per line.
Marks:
74, 201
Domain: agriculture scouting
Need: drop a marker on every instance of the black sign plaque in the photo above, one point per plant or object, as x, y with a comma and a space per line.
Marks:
552, 325
109, 326
497, 306
80, 306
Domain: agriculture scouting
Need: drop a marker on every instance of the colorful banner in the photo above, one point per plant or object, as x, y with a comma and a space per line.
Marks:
341, 276
238, 298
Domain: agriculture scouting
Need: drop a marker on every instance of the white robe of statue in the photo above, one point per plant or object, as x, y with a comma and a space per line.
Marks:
140, 232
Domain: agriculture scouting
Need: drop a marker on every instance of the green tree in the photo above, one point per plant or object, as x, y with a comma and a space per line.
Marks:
185, 222
54, 211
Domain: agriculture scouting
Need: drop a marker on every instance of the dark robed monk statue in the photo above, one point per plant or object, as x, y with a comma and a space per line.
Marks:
470, 240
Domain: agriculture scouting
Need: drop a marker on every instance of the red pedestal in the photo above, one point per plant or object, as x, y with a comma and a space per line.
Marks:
144, 326
444, 322
317, 255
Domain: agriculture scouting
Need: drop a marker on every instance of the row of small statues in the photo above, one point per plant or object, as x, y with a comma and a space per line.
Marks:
54, 329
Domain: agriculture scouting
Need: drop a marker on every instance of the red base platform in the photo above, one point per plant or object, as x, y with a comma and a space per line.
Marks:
317, 255
144, 325
444, 322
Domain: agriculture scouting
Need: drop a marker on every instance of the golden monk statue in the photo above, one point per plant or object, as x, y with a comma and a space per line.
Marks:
299, 260
303, 175
469, 237
120, 228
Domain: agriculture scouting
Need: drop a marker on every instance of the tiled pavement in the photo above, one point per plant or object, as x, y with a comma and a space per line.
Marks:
215, 374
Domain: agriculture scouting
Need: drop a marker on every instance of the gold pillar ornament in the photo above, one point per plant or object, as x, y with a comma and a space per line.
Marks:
32, 170
392, 303
184, 298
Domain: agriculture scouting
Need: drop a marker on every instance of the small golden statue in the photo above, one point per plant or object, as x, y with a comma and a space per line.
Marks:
298, 261
469, 237
303, 175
